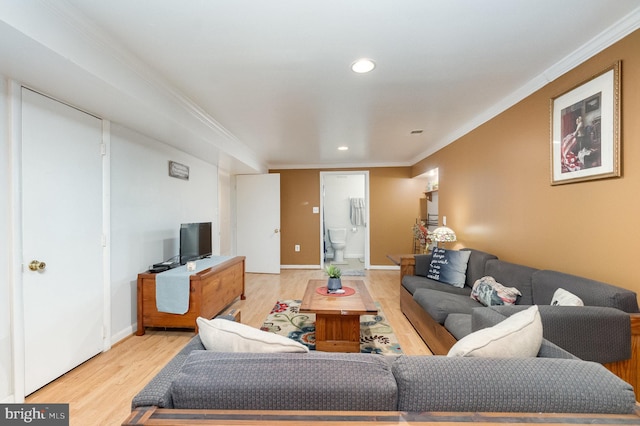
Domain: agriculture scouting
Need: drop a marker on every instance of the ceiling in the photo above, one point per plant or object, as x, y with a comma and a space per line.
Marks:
274, 76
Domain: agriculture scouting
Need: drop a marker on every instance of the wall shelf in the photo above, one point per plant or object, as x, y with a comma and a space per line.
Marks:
429, 194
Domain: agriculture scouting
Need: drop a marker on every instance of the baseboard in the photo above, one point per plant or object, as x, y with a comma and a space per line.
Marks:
123, 334
381, 267
299, 266
9, 399
386, 267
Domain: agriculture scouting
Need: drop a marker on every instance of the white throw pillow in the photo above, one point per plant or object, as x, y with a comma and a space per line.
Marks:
518, 336
221, 335
564, 298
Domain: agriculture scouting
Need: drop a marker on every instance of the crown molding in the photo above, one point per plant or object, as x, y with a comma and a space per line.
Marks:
61, 28
597, 44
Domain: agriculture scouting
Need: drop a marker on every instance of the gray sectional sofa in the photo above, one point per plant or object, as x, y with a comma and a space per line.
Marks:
606, 330
556, 381
197, 379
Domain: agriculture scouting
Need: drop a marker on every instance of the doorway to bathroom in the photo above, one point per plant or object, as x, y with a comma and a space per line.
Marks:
344, 220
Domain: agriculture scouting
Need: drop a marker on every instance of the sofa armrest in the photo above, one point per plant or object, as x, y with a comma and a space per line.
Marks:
285, 381
592, 333
407, 266
158, 391
629, 370
534, 385
487, 317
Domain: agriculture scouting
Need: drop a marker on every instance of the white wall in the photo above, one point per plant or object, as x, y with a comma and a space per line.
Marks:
6, 364
147, 207
226, 213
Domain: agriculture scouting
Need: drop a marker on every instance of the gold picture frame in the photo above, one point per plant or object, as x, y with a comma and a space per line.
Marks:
585, 129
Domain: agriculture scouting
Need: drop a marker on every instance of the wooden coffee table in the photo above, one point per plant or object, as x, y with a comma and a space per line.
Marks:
338, 317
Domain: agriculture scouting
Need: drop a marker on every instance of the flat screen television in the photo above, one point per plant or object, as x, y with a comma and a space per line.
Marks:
195, 241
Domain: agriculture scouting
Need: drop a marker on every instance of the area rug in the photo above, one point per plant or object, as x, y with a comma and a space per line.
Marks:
285, 319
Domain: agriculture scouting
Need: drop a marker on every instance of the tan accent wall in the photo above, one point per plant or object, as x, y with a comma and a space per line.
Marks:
394, 206
495, 186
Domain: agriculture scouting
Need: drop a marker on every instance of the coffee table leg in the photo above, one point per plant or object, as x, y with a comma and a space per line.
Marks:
337, 333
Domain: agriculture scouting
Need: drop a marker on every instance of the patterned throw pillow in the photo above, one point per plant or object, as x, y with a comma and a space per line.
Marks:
489, 292
564, 298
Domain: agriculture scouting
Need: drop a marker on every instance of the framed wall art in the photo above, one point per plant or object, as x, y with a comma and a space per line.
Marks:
585, 130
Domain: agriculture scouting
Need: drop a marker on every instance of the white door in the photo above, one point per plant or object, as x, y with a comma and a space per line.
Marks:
62, 227
258, 222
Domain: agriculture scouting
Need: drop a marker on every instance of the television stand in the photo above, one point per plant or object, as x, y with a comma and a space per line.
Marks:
210, 292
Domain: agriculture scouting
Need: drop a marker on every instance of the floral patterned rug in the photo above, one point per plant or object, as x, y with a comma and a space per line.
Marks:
285, 319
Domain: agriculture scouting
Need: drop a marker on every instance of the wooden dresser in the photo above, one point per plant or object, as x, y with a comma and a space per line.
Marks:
211, 290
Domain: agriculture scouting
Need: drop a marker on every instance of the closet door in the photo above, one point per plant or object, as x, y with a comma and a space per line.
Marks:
258, 222
61, 237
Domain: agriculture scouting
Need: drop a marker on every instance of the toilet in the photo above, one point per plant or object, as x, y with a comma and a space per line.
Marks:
338, 239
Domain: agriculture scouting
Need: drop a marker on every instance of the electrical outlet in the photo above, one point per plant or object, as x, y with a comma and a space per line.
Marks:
297, 248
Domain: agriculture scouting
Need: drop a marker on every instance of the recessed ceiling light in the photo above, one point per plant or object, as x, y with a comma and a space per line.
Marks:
363, 65
343, 148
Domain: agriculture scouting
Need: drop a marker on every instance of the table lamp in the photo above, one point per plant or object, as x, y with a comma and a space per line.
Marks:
443, 234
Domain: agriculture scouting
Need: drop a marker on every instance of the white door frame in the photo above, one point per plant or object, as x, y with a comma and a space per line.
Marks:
17, 266
365, 173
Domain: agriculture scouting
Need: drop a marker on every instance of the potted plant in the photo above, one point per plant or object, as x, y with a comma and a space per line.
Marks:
334, 283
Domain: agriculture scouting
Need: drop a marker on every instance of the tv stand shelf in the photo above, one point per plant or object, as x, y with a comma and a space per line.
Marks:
210, 292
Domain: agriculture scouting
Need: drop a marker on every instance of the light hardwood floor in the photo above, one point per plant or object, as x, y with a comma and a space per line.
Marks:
100, 390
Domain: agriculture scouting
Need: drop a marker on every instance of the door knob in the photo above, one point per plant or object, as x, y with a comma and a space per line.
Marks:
36, 265
276, 230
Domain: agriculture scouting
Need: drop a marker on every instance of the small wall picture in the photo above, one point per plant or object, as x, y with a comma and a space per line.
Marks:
585, 130
178, 170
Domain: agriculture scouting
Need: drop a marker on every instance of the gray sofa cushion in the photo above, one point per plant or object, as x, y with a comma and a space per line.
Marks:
439, 304
585, 331
476, 265
413, 283
423, 261
592, 293
513, 275
285, 381
435, 383
488, 317
459, 325
551, 350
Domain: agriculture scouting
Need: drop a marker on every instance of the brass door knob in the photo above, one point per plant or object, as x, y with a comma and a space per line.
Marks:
36, 265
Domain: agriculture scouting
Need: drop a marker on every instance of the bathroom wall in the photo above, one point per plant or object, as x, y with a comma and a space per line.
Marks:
338, 190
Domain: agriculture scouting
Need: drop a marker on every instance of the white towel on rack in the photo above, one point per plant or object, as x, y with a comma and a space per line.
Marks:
357, 212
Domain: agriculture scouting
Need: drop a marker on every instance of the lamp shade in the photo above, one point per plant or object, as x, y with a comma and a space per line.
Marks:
443, 234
